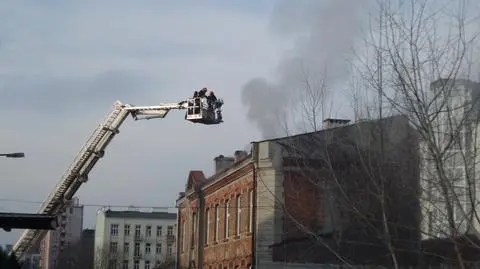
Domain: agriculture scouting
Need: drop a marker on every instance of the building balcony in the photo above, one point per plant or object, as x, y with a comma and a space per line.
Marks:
149, 255
138, 237
170, 239
137, 256
114, 254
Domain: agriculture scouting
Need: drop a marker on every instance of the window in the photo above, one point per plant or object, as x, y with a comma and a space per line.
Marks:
147, 264
159, 249
217, 222
250, 211
147, 248
114, 229
112, 264
137, 249
207, 231
159, 231
148, 231
126, 248
169, 250
137, 230
113, 247
183, 236
238, 216
71, 210
170, 230
125, 264
226, 227
136, 264
194, 228
126, 230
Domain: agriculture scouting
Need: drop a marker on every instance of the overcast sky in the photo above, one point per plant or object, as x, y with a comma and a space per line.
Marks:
64, 63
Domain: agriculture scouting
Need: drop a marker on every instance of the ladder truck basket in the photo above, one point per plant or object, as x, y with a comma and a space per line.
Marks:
201, 110
197, 108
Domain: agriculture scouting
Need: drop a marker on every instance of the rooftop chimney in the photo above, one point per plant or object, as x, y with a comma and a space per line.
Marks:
240, 154
222, 162
332, 123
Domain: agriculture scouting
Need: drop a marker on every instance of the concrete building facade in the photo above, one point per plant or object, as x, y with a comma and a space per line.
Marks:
134, 239
68, 232
32, 261
456, 135
270, 207
32, 258
8, 247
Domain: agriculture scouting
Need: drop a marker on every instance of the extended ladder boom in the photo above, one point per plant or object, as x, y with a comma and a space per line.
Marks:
94, 149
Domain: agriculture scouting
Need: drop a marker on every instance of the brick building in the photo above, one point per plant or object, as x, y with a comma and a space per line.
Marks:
273, 206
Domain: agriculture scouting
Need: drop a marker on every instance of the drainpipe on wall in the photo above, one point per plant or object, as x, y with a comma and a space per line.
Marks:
201, 228
179, 228
254, 210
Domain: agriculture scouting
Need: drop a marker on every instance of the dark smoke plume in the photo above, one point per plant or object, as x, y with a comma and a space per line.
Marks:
324, 33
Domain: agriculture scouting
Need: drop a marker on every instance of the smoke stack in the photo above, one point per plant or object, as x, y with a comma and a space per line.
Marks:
333, 123
222, 162
239, 155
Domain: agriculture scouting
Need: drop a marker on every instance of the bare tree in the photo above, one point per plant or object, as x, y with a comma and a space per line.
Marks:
360, 192
107, 257
417, 43
77, 255
309, 103
314, 101
358, 211
414, 43
168, 263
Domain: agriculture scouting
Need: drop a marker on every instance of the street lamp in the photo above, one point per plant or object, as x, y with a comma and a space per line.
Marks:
13, 155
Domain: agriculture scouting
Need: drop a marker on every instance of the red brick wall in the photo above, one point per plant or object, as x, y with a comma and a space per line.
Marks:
233, 250
183, 250
303, 204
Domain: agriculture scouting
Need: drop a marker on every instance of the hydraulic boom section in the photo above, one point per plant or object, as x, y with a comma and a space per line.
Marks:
199, 109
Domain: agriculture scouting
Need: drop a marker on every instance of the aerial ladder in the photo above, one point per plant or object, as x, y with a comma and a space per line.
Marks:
202, 110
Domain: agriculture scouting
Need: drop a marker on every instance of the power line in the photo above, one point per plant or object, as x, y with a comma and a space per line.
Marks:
118, 206
86, 204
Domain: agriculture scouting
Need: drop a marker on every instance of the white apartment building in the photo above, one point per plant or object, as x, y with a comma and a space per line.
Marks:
69, 231
8, 247
134, 239
456, 130
32, 258
32, 261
